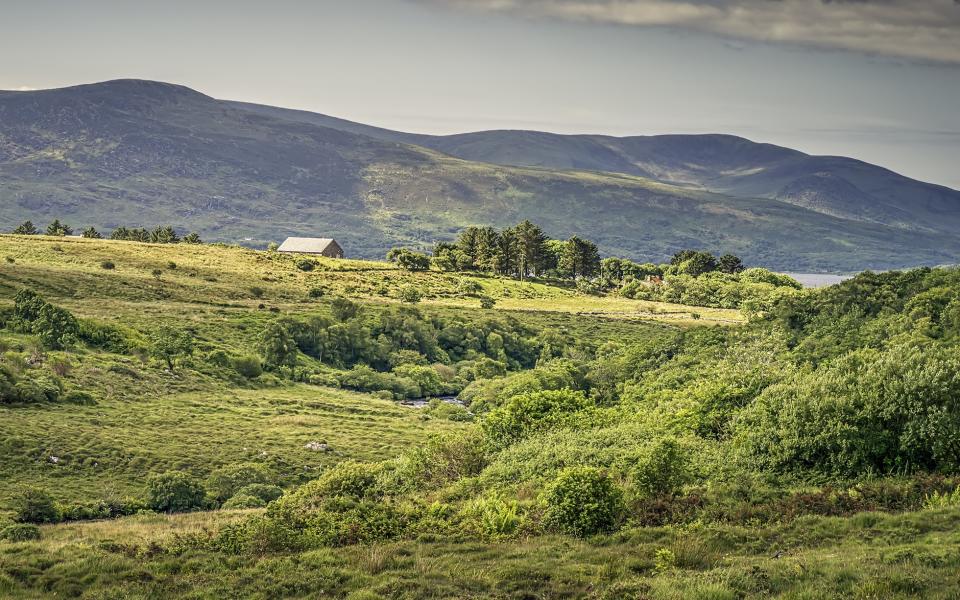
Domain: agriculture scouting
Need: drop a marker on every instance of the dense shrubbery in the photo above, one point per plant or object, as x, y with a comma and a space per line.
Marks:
400, 350
175, 492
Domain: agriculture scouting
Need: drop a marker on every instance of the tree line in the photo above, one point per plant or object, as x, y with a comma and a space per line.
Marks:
162, 234
524, 250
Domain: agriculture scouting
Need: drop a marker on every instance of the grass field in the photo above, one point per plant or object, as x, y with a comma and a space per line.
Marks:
195, 419
867, 556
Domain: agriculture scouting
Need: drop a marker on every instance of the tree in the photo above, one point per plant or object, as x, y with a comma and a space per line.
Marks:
26, 228
278, 347
344, 309
192, 238
168, 344
34, 505
59, 229
56, 327
413, 261
699, 263
531, 248
580, 258
730, 263
164, 234
91, 233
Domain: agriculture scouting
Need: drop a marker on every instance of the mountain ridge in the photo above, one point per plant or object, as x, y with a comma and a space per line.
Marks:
135, 152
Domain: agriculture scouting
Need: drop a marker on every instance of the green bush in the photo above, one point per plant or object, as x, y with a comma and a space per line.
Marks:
250, 367
583, 501
350, 479
263, 491
20, 532
79, 397
663, 471
108, 265
227, 481
306, 264
409, 294
174, 491
34, 505
525, 414
496, 517
244, 501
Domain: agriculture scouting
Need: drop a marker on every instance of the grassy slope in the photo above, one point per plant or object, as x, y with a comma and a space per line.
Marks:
151, 420
148, 420
868, 556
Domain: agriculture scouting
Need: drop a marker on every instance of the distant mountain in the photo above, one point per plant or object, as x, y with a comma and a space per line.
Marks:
726, 164
133, 152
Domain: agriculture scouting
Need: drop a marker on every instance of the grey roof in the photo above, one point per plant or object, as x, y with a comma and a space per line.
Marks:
307, 245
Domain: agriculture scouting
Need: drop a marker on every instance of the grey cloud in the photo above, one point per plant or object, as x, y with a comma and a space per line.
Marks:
917, 30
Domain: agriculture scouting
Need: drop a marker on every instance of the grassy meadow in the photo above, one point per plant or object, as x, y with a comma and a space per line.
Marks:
604, 447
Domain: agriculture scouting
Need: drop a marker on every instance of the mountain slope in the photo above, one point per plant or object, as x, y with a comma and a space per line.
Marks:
727, 164
134, 152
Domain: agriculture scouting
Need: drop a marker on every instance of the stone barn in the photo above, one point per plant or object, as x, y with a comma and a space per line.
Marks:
321, 246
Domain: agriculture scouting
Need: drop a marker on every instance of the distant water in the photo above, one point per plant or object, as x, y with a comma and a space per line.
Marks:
812, 280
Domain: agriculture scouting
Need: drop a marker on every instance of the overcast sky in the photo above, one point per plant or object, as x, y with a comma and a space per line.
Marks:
878, 80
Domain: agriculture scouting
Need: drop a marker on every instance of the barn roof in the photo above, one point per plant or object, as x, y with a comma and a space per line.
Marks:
306, 245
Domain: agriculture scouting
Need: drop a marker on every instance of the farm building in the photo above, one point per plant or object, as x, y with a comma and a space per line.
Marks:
323, 246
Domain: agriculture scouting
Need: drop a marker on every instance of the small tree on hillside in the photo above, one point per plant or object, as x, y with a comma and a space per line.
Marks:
278, 347
192, 238
59, 229
164, 234
91, 233
168, 344
26, 228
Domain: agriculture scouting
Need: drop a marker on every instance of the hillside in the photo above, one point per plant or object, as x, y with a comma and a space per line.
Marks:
142, 153
206, 421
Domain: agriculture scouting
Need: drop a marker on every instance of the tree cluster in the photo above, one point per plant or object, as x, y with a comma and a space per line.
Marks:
520, 251
162, 234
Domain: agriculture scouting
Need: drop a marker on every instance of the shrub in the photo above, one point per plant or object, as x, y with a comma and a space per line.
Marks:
248, 366
583, 501
172, 265
306, 264
263, 491
79, 397
410, 294
257, 292
316, 292
34, 505
20, 532
174, 491
108, 265
496, 517
244, 501
663, 471
524, 414
227, 481
486, 302
351, 479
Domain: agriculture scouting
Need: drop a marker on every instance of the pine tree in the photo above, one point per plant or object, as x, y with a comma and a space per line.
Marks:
91, 233
26, 228
59, 229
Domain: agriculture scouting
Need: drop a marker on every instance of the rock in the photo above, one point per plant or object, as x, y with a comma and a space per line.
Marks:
318, 446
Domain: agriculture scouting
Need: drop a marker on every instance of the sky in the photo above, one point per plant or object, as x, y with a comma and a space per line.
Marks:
877, 80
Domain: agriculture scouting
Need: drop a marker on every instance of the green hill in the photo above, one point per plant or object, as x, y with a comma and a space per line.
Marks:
207, 421
142, 153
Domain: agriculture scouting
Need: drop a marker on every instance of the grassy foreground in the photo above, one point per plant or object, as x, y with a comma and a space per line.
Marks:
472, 515
867, 556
